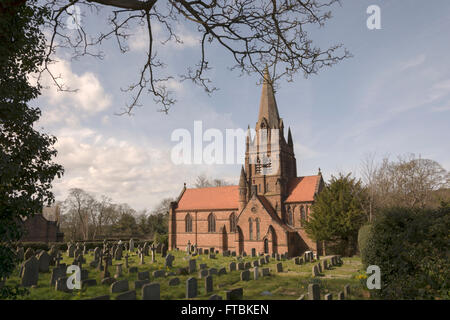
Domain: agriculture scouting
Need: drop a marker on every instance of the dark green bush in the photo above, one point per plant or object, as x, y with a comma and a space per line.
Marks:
363, 237
411, 247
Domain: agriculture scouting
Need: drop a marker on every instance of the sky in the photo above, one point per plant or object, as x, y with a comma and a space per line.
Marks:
391, 98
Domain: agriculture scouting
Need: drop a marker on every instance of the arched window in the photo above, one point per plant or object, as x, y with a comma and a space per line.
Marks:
232, 222
188, 223
211, 223
302, 214
289, 216
250, 229
257, 228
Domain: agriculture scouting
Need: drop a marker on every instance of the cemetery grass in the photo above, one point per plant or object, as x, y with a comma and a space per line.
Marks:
288, 285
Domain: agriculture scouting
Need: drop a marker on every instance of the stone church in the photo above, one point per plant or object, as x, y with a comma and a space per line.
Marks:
268, 208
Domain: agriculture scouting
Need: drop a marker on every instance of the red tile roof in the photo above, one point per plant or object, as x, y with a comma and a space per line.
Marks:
302, 189
226, 197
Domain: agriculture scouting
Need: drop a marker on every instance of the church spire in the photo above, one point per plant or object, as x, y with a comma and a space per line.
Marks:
242, 180
268, 111
290, 143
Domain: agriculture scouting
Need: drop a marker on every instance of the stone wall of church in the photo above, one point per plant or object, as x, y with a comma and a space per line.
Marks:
200, 234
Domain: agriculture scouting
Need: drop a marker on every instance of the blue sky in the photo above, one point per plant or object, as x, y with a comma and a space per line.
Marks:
391, 98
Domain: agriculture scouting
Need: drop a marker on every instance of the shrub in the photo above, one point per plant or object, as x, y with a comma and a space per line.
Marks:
411, 248
363, 237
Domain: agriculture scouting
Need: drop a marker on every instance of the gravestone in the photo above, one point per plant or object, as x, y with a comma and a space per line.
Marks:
61, 284
203, 266
118, 253
57, 273
133, 270
346, 291
232, 266
315, 271
159, 274
240, 266
262, 261
96, 253
235, 294
215, 297
118, 271
144, 275
222, 271
325, 264
253, 252
192, 267
30, 272
28, 254
314, 291
255, 273
169, 261
203, 273
213, 271
279, 267
191, 288
88, 283
319, 266
265, 272
247, 265
255, 263
44, 261
131, 245
267, 258
119, 286
328, 296
341, 295
174, 282
245, 275
297, 260
208, 284
129, 295
151, 291
153, 249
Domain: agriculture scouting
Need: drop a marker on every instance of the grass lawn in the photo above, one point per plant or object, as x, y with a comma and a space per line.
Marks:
290, 284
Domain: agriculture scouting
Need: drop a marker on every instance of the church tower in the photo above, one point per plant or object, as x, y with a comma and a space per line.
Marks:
269, 159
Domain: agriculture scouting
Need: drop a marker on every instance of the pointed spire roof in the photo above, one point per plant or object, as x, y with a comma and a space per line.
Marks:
290, 137
242, 180
268, 106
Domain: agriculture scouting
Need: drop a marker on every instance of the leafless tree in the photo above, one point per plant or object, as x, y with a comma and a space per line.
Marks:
255, 33
78, 206
409, 181
203, 181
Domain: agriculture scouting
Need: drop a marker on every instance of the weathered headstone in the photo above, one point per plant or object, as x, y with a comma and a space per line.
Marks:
118, 271
191, 288
57, 272
240, 266
174, 282
346, 291
245, 275
208, 284
192, 267
255, 273
232, 266
144, 275
169, 261
44, 261
265, 272
315, 271
235, 294
203, 273
159, 274
279, 267
151, 291
341, 295
28, 254
328, 296
314, 291
119, 286
222, 271
215, 297
30, 272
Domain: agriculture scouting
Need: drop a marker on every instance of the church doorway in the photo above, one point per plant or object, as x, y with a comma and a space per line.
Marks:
224, 239
266, 245
240, 240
